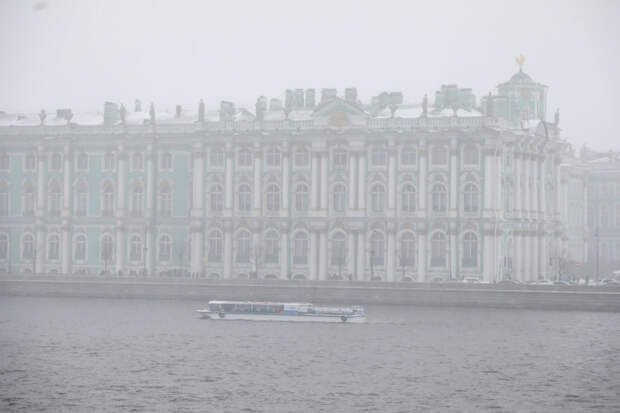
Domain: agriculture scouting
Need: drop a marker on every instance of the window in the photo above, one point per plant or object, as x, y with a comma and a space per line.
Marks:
470, 250
340, 198
81, 199
604, 190
300, 254
4, 199
273, 156
166, 161
215, 247
273, 198
471, 198
272, 247
137, 200
439, 156
107, 248
604, 216
28, 199
243, 247
301, 198
439, 198
377, 197
338, 249
5, 161
165, 247
340, 159
135, 248
408, 198
4, 246
107, 209
28, 247
216, 157
302, 157
108, 162
408, 157
165, 199
53, 247
56, 162
137, 163
80, 248
407, 253
29, 163
245, 157
55, 198
245, 198
82, 162
471, 156
217, 198
377, 253
378, 157
438, 250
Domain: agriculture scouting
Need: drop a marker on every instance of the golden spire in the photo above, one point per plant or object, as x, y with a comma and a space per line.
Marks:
520, 61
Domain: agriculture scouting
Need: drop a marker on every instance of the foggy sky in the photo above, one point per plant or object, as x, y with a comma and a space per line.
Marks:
79, 54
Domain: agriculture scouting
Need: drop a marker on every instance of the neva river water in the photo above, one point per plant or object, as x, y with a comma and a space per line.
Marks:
79, 354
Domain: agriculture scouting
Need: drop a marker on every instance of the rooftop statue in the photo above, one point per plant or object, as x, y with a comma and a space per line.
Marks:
520, 61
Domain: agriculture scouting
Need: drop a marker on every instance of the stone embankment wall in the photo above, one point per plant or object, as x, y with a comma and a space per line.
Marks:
445, 295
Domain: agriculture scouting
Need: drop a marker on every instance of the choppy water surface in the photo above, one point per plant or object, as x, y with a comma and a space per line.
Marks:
78, 354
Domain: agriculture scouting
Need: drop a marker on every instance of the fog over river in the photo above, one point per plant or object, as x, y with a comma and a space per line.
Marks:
79, 354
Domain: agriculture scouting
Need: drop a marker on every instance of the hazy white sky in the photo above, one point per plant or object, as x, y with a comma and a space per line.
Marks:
79, 54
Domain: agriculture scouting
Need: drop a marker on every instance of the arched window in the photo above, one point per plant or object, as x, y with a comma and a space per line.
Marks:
28, 199
28, 247
137, 199
4, 246
81, 199
166, 161
377, 197
215, 246
408, 198
245, 157
471, 198
340, 198
80, 248
217, 198
377, 253
243, 247
300, 253
165, 248
56, 164
338, 249
137, 162
439, 156
107, 199
340, 159
82, 162
273, 198
272, 247
438, 250
301, 198
273, 156
471, 156
55, 198
165, 199
108, 162
135, 248
470, 250
245, 197
439, 198
4, 199
407, 253
53, 247
302, 157
107, 248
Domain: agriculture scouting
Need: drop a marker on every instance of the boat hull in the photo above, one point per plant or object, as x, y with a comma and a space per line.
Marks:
320, 318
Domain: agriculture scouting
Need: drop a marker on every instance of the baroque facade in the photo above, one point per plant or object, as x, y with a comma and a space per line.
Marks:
293, 190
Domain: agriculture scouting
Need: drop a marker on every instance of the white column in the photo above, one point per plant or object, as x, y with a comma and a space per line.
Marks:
517, 180
535, 257
353, 181
517, 261
284, 252
361, 182
150, 183
228, 190
422, 256
454, 180
150, 251
488, 182
558, 189
120, 249
422, 181
391, 253
256, 247
40, 246
361, 255
324, 198
40, 202
197, 248
313, 255
497, 185
198, 173
121, 174
453, 257
544, 259
391, 179
228, 250
258, 167
66, 247
314, 204
67, 176
527, 256
351, 253
543, 197
285, 179
323, 254
488, 270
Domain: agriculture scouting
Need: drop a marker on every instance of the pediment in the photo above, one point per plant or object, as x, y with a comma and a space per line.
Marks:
339, 113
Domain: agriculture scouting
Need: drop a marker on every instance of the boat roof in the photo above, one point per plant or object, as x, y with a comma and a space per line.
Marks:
256, 302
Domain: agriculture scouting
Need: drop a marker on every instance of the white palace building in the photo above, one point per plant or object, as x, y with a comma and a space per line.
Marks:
304, 188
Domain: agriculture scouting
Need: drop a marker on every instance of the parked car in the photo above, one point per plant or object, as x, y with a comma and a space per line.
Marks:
542, 282
561, 282
471, 280
508, 282
610, 283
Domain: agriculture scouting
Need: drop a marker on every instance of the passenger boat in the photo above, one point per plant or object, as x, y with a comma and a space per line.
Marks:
271, 311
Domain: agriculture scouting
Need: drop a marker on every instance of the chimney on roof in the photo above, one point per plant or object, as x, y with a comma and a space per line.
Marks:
275, 104
227, 110
66, 114
350, 94
328, 94
310, 99
261, 107
42, 116
178, 111
138, 106
289, 98
201, 111
111, 114
298, 99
